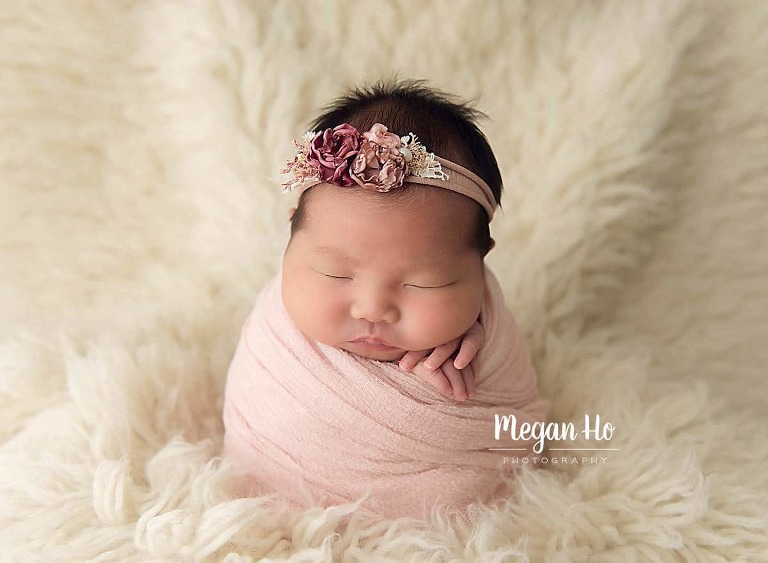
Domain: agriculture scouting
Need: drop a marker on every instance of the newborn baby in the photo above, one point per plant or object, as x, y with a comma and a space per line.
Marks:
373, 364
385, 278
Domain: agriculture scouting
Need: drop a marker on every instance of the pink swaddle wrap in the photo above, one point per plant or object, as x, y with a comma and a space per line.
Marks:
326, 426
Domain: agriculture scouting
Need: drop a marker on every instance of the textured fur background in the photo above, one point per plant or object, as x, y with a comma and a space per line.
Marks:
140, 217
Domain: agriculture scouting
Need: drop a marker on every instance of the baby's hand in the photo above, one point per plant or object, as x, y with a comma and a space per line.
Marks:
449, 377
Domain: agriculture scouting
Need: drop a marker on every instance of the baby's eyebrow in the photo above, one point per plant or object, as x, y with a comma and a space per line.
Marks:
433, 260
337, 253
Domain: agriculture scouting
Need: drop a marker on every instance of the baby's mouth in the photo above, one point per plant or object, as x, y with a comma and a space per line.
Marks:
373, 343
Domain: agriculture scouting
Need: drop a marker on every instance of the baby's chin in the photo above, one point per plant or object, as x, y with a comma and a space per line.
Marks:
380, 355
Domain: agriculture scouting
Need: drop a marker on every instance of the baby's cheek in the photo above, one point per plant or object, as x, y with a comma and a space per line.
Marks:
440, 321
326, 314
307, 308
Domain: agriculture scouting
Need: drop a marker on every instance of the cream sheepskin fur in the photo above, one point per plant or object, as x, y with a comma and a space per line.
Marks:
140, 217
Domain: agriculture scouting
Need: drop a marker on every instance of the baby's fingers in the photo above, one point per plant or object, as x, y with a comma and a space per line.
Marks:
457, 381
472, 341
409, 361
434, 378
469, 380
466, 354
441, 353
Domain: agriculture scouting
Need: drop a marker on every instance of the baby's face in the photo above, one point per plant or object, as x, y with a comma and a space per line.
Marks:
398, 270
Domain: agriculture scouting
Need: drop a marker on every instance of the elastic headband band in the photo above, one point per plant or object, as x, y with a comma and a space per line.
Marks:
377, 160
462, 181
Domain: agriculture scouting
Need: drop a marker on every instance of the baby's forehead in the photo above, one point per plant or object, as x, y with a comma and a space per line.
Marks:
415, 227
427, 205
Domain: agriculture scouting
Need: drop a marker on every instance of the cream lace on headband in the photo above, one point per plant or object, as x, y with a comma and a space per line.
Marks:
377, 160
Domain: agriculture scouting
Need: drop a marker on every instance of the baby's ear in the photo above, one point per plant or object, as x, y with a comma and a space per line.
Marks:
291, 212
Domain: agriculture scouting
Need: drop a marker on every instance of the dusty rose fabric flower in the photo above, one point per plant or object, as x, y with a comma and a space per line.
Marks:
380, 135
379, 164
332, 150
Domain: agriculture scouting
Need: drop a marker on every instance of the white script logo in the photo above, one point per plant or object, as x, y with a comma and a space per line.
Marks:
541, 431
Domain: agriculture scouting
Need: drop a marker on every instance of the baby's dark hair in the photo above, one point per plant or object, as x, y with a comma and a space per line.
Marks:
445, 125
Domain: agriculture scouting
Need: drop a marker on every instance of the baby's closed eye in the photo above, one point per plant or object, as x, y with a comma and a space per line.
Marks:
414, 285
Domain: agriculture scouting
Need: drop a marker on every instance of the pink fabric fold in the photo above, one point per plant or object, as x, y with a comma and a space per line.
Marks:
324, 426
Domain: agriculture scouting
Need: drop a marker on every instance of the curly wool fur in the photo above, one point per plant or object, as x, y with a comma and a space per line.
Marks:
141, 216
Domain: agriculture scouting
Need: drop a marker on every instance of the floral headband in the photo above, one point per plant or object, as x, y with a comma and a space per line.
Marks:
377, 160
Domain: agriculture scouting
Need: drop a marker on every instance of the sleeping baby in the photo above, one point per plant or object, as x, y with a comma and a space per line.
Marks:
376, 363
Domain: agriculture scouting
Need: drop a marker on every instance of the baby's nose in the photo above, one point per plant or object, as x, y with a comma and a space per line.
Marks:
375, 308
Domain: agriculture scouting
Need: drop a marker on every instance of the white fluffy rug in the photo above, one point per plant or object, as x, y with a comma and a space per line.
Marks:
139, 219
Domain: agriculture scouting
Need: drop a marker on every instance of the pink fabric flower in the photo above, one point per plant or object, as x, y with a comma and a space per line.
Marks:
380, 135
332, 150
379, 164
